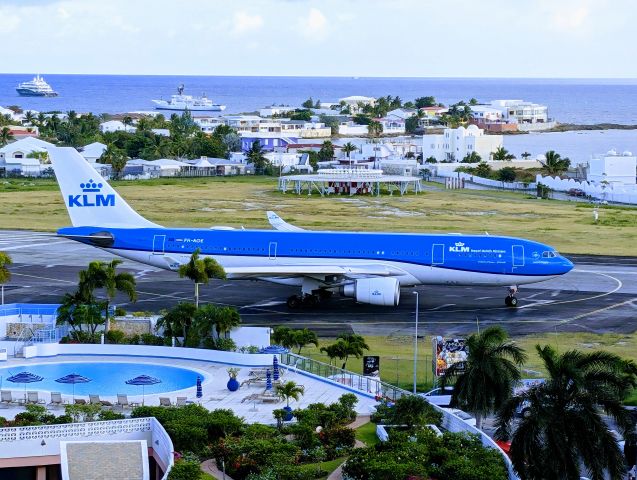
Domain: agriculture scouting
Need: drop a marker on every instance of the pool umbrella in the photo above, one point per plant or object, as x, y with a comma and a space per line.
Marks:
73, 378
25, 377
199, 389
275, 369
143, 380
274, 349
268, 380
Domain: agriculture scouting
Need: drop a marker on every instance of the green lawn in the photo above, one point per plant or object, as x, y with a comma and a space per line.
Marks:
327, 467
242, 201
367, 434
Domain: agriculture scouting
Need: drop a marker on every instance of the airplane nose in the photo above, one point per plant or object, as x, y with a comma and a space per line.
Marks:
566, 265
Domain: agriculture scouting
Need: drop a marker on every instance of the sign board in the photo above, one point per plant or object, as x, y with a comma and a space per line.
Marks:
447, 352
371, 366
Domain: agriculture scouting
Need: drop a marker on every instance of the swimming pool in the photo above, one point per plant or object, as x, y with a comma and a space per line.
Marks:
107, 378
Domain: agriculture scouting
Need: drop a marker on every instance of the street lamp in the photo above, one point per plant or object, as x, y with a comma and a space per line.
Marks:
416, 342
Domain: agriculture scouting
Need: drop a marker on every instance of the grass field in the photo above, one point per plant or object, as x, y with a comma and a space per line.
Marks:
242, 201
397, 353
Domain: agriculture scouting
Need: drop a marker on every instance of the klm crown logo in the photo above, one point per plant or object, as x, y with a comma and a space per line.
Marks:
91, 196
459, 247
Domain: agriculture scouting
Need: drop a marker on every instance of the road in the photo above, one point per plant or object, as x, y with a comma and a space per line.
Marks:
599, 295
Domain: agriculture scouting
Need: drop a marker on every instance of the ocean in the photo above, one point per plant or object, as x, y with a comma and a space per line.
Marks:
569, 100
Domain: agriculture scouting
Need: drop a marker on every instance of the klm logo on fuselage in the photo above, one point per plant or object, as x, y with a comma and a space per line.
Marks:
91, 196
459, 247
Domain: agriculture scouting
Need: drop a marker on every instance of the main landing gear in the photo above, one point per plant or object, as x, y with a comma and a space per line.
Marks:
308, 300
511, 300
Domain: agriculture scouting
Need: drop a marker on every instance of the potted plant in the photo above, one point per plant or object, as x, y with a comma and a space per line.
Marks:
233, 384
287, 391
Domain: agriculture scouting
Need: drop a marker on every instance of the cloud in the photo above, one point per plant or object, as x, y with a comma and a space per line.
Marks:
243, 23
314, 25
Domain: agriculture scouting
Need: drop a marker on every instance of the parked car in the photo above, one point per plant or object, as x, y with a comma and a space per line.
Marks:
576, 192
439, 396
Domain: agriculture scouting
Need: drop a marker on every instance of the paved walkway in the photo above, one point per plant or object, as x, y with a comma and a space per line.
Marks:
360, 421
210, 467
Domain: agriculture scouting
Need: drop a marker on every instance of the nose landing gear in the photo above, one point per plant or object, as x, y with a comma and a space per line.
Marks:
511, 300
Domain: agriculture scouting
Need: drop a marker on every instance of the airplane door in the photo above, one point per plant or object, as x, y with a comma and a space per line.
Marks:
159, 242
518, 255
272, 250
437, 254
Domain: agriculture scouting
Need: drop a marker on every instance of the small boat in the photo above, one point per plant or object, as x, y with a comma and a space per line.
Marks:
36, 88
188, 102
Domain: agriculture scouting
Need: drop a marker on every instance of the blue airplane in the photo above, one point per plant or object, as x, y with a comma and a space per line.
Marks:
369, 267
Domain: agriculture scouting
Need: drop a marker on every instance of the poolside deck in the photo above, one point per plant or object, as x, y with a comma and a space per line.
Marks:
215, 393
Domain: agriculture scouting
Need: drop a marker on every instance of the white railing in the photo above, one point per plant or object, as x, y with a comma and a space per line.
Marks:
353, 172
43, 440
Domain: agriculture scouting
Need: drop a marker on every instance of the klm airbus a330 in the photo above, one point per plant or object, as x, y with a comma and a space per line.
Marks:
370, 267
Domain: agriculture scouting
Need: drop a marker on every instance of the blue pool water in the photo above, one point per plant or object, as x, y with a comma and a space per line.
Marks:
106, 378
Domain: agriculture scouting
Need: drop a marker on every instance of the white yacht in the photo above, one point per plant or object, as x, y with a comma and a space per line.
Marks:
36, 88
188, 102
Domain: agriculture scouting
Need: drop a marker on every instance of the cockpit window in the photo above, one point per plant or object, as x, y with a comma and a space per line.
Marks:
549, 254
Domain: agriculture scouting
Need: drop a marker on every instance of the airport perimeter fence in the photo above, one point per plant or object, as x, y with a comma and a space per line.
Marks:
387, 391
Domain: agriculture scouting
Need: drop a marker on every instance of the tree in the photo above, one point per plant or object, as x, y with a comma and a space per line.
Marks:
506, 174
5, 136
346, 345
412, 124
226, 319
201, 271
178, 320
294, 338
473, 157
525, 155
374, 129
482, 170
554, 164
309, 103
565, 428
303, 338
502, 154
5, 273
431, 160
326, 153
103, 275
348, 148
305, 115
76, 310
256, 157
473, 101
290, 390
422, 102
116, 158
487, 378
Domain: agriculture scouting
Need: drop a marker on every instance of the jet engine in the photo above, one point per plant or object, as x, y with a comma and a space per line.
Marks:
376, 291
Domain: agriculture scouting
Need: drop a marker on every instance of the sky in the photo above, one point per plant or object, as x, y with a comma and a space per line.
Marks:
390, 38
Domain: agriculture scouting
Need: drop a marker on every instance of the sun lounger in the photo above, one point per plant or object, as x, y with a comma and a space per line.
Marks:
181, 401
250, 398
6, 398
95, 400
165, 402
33, 398
268, 398
56, 399
122, 401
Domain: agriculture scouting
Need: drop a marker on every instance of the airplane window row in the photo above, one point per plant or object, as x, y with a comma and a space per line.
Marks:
480, 255
548, 254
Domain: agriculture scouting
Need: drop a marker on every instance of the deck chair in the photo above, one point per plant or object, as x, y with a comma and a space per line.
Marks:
33, 398
95, 400
122, 401
6, 398
165, 402
56, 400
181, 401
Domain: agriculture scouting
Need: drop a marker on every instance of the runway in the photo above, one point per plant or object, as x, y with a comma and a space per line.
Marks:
599, 295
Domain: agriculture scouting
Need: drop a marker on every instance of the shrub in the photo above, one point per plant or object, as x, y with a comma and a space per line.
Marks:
337, 438
185, 470
110, 415
409, 410
134, 339
120, 312
116, 336
225, 344
150, 339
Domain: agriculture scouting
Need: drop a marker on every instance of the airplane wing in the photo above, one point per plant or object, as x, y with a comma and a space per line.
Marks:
279, 224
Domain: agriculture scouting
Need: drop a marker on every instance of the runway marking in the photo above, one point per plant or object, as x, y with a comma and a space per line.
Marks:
442, 306
42, 278
599, 310
28, 246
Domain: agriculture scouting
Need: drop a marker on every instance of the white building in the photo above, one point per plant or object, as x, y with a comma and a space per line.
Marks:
93, 151
208, 124
401, 113
115, 126
275, 110
454, 144
355, 101
486, 114
521, 111
613, 167
14, 157
351, 128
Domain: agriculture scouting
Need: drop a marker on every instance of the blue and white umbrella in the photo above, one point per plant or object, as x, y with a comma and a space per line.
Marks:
25, 377
268, 380
143, 380
73, 378
275, 369
274, 349
199, 389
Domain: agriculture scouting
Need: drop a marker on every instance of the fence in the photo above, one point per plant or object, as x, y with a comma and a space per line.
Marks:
385, 390
609, 192
487, 182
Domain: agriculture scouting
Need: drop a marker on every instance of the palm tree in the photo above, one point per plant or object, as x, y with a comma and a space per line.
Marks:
565, 428
305, 337
290, 390
525, 155
201, 271
5, 274
29, 118
502, 154
204, 320
5, 136
346, 345
104, 275
374, 129
178, 320
554, 164
115, 157
226, 319
256, 157
488, 376
348, 148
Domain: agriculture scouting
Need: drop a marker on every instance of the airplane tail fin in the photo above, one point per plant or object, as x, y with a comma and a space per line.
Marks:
89, 199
